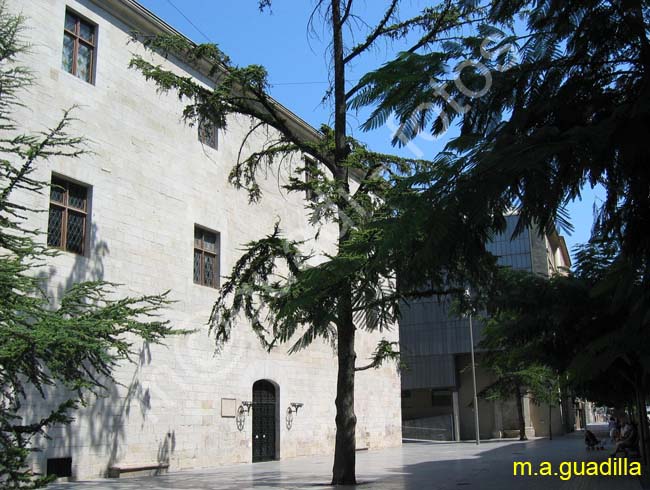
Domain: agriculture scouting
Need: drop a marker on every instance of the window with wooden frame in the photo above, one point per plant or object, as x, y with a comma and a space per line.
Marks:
310, 176
209, 134
79, 43
68, 218
207, 246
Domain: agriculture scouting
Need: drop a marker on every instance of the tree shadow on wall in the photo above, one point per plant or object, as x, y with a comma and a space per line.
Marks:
101, 422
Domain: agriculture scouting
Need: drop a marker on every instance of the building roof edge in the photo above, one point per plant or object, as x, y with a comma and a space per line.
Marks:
135, 15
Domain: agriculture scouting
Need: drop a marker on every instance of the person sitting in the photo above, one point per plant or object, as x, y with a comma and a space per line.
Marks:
591, 441
629, 440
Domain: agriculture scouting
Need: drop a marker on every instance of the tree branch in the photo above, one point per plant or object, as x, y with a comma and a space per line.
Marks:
384, 352
346, 13
379, 30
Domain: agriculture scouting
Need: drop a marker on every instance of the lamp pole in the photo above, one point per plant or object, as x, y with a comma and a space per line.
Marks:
471, 343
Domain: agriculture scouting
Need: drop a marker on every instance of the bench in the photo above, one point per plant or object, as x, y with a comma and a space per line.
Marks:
124, 471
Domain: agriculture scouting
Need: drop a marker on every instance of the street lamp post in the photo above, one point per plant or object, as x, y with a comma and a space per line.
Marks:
471, 343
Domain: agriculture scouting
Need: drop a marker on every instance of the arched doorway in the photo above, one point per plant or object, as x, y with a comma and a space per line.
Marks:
264, 421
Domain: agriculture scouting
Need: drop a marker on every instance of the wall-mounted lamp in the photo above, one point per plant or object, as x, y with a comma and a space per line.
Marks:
291, 409
295, 406
242, 411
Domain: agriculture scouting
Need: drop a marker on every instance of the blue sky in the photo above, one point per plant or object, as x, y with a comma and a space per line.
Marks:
298, 67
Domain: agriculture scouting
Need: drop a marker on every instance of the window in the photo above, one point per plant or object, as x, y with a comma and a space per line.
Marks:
310, 175
66, 228
206, 257
79, 47
209, 134
441, 398
59, 467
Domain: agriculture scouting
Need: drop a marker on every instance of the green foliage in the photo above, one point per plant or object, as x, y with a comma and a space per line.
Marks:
566, 105
590, 326
71, 347
238, 91
549, 97
422, 222
281, 294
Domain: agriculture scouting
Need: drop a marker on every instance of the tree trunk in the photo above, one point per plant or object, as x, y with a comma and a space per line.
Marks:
550, 421
343, 472
520, 414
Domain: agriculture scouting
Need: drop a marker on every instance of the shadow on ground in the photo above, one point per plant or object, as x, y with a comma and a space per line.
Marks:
414, 466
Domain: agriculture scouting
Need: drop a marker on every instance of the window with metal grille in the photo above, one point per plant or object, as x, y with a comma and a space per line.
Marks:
79, 41
66, 228
206, 257
209, 134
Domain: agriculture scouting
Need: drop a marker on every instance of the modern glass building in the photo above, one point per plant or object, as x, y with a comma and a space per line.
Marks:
437, 395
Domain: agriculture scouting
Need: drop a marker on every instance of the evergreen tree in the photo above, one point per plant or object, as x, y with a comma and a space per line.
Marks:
71, 346
517, 370
379, 239
589, 327
549, 96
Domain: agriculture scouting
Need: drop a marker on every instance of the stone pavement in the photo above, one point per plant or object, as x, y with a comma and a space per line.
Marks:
414, 466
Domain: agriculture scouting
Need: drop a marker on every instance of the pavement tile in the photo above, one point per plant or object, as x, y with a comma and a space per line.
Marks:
414, 466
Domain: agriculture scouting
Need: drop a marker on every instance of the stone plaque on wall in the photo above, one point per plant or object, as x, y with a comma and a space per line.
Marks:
228, 407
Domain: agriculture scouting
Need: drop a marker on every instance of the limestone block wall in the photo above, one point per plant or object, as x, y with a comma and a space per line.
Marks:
151, 182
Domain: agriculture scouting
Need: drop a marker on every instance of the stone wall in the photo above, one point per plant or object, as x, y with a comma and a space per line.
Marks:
151, 182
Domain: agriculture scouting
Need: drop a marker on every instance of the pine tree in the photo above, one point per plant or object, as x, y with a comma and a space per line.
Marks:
73, 345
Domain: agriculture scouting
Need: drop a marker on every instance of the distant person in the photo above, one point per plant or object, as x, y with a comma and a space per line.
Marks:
591, 441
624, 428
613, 429
629, 440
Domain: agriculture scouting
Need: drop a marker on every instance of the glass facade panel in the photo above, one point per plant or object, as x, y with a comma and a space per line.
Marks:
512, 251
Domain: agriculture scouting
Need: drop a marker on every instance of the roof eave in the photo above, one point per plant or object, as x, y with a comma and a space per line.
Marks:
143, 20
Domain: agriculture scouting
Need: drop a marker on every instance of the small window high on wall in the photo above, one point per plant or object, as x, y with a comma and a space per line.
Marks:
79, 43
207, 246
209, 134
68, 218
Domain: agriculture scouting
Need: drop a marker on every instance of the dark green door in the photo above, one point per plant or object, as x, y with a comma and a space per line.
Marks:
263, 421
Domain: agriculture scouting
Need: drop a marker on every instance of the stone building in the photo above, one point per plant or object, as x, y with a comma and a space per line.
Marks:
437, 387
150, 208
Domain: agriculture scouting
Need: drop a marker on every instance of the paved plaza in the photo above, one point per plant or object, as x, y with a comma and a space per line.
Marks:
415, 465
